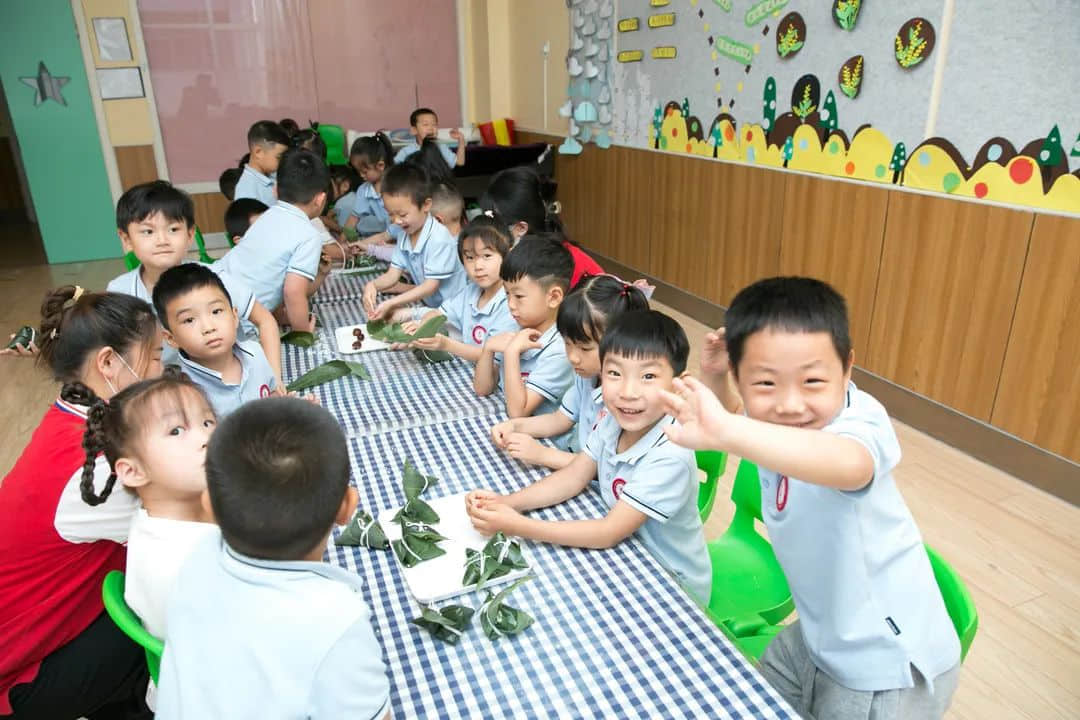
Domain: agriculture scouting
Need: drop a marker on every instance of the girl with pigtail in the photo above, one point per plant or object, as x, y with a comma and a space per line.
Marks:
62, 527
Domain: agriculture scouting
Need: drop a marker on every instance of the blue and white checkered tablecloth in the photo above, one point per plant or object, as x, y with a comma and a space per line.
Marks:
346, 286
614, 635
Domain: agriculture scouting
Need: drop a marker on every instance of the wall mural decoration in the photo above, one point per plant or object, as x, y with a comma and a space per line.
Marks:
734, 83
46, 85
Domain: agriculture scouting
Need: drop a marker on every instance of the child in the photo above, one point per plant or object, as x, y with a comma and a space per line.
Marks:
279, 257
199, 319
872, 630
522, 200
227, 181
425, 249
481, 308
62, 656
310, 139
267, 141
583, 315
649, 483
344, 181
240, 215
154, 435
430, 157
259, 626
534, 371
424, 123
448, 207
156, 221
371, 157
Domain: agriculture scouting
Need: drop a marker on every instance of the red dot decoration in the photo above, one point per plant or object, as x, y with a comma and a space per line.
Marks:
674, 132
1021, 170
981, 190
749, 136
688, 148
729, 134
850, 168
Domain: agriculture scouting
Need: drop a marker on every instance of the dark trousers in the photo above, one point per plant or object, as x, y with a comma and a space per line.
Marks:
100, 675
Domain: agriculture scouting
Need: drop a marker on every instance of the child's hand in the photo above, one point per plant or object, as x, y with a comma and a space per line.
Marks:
714, 356
20, 350
524, 447
378, 239
371, 294
381, 311
492, 516
702, 418
437, 342
325, 263
502, 431
499, 343
527, 339
475, 497
457, 135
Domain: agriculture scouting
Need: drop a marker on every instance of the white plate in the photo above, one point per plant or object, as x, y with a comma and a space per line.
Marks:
345, 339
440, 578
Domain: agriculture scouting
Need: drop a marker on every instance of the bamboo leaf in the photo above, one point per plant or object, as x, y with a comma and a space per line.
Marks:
431, 357
416, 510
500, 620
430, 328
447, 624
300, 338
364, 531
328, 372
412, 550
414, 482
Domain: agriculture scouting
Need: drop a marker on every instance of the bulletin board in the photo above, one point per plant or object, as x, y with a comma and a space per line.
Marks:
957, 97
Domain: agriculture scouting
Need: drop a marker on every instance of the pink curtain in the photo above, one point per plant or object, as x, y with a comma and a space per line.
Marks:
217, 66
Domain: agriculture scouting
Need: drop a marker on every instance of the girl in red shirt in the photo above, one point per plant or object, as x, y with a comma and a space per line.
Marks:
60, 654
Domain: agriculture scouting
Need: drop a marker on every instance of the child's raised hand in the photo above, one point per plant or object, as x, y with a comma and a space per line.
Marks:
500, 432
524, 447
714, 356
457, 135
700, 414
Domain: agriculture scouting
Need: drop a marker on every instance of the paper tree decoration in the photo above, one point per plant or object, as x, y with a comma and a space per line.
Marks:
914, 42
1075, 152
769, 104
364, 531
827, 114
686, 107
790, 35
788, 151
1052, 152
899, 160
658, 124
850, 77
846, 12
717, 136
805, 96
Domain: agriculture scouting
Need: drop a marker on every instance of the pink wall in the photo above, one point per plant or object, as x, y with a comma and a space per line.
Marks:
219, 65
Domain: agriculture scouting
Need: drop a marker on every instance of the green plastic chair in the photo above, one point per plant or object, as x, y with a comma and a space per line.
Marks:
712, 463
334, 137
130, 261
958, 602
749, 589
112, 593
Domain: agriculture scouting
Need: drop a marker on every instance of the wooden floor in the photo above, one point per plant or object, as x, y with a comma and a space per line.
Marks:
1017, 548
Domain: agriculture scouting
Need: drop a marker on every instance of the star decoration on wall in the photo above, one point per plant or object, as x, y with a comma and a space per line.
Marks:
46, 85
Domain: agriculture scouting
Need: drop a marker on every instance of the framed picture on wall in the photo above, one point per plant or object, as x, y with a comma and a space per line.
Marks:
112, 39
120, 83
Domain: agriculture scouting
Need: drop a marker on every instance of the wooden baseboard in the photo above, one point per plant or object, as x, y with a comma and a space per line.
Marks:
1043, 469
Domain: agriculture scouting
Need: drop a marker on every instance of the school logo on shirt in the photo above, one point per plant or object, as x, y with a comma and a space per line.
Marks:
524, 376
617, 486
479, 332
781, 493
264, 391
599, 416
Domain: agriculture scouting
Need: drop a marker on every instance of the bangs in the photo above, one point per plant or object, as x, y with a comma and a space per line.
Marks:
179, 397
577, 322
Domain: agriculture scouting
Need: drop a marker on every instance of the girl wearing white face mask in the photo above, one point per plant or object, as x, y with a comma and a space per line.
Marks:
63, 657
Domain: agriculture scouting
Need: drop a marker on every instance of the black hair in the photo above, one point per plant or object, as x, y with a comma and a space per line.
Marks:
238, 215
310, 139
520, 194
113, 427
344, 172
540, 257
589, 308
414, 116
372, 149
488, 232
431, 159
301, 176
227, 182
277, 471
158, 196
290, 126
410, 180
791, 304
643, 334
180, 280
73, 329
447, 198
267, 132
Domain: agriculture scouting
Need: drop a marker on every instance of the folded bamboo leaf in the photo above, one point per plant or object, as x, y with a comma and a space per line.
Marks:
499, 619
420, 530
300, 338
480, 567
417, 511
430, 328
447, 624
414, 483
364, 531
326, 372
412, 550
24, 336
505, 551
431, 357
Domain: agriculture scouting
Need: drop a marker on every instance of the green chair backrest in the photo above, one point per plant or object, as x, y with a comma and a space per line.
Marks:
112, 593
746, 492
334, 137
958, 601
712, 463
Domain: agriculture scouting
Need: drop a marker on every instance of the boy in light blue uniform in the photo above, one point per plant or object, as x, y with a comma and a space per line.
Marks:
424, 123
531, 364
425, 249
258, 625
267, 141
279, 256
198, 318
873, 637
648, 483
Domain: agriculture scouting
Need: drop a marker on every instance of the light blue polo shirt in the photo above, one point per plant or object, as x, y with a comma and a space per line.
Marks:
257, 380
868, 605
658, 478
414, 147
546, 371
433, 257
370, 212
281, 241
251, 638
343, 207
253, 184
476, 323
583, 403
131, 283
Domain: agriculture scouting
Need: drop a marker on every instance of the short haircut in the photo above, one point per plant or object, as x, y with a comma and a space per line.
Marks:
414, 116
277, 471
227, 182
488, 232
301, 176
267, 132
290, 126
409, 180
180, 280
447, 200
238, 215
644, 334
595, 301
789, 304
540, 257
157, 196
310, 139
